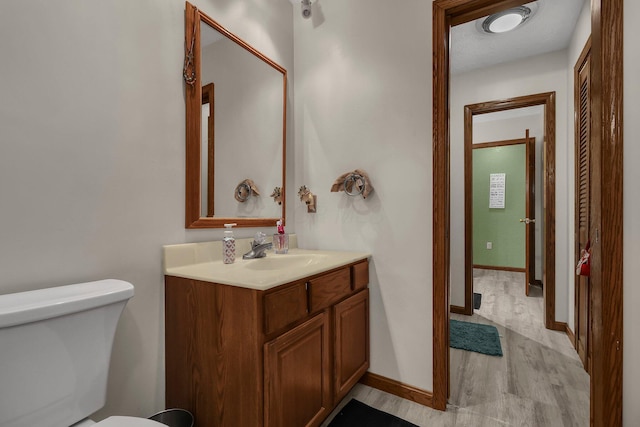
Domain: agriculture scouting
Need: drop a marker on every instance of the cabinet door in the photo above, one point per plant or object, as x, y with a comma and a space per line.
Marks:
297, 375
351, 342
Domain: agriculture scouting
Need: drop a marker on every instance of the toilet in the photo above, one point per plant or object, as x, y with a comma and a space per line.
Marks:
54, 355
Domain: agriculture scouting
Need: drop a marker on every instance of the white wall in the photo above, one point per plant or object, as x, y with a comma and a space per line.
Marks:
631, 244
92, 184
363, 100
537, 74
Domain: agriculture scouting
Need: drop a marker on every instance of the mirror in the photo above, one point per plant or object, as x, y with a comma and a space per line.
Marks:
236, 125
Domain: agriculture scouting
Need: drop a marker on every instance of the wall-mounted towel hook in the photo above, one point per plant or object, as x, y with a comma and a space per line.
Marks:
245, 189
308, 197
353, 183
277, 195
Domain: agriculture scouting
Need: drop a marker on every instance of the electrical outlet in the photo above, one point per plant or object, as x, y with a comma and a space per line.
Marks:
489, 245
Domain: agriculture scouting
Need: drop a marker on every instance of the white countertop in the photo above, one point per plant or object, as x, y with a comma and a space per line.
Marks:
187, 262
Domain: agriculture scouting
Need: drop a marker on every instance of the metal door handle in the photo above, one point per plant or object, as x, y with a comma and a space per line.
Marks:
527, 220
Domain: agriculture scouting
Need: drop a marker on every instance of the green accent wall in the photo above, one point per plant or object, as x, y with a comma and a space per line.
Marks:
499, 226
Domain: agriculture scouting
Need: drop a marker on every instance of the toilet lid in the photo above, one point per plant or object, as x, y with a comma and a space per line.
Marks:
128, 422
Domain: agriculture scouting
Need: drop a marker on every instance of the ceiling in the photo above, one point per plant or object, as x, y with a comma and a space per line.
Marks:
548, 30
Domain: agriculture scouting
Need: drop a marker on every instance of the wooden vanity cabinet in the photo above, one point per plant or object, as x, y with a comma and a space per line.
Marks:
297, 375
278, 358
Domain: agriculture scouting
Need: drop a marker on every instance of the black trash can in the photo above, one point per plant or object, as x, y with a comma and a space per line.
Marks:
174, 418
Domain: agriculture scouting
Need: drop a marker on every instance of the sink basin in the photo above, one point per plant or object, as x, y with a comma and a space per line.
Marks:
281, 262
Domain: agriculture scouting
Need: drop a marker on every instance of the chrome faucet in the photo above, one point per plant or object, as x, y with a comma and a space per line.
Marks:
257, 250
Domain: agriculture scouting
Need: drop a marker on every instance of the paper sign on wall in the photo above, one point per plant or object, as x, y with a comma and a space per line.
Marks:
497, 183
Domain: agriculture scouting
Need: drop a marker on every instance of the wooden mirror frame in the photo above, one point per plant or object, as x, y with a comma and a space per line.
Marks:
193, 101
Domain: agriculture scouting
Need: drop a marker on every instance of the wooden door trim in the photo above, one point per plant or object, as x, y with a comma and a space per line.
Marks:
547, 100
607, 37
208, 97
606, 150
530, 212
498, 143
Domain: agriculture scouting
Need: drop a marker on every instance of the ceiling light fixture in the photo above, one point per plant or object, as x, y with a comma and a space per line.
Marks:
507, 20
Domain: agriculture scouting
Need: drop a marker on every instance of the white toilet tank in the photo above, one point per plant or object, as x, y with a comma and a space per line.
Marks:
55, 347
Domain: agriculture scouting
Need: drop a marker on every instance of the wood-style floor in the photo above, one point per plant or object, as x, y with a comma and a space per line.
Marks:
538, 382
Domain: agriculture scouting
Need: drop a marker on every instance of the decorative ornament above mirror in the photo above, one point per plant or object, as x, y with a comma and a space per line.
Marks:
235, 126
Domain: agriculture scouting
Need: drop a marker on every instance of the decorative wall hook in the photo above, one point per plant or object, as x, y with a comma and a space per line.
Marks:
353, 184
307, 197
245, 189
277, 195
188, 70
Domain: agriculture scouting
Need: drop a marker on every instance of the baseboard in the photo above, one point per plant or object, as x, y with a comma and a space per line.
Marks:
491, 267
457, 309
559, 326
399, 389
571, 336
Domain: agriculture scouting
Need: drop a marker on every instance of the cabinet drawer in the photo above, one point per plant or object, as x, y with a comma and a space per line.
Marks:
330, 288
360, 275
284, 307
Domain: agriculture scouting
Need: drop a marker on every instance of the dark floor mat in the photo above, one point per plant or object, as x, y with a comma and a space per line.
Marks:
357, 414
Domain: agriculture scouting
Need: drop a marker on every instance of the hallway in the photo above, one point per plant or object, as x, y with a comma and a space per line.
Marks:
539, 381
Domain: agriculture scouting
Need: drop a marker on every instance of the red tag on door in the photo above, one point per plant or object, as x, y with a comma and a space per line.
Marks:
584, 264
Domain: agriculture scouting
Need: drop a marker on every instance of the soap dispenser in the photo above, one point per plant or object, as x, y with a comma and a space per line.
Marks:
228, 245
281, 240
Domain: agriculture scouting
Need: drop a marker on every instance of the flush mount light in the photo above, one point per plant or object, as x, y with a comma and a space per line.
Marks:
506, 20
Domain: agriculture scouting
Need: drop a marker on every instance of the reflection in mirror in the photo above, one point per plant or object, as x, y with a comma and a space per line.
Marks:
248, 124
236, 131
208, 151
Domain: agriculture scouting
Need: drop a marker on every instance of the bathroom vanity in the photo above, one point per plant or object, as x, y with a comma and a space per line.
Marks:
277, 341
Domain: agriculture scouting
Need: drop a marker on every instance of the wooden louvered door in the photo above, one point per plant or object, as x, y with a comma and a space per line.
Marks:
583, 187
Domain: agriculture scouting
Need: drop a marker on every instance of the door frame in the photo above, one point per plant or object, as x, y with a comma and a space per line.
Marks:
208, 97
607, 152
530, 224
548, 102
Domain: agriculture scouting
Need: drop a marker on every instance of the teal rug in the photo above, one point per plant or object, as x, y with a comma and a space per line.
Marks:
474, 337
